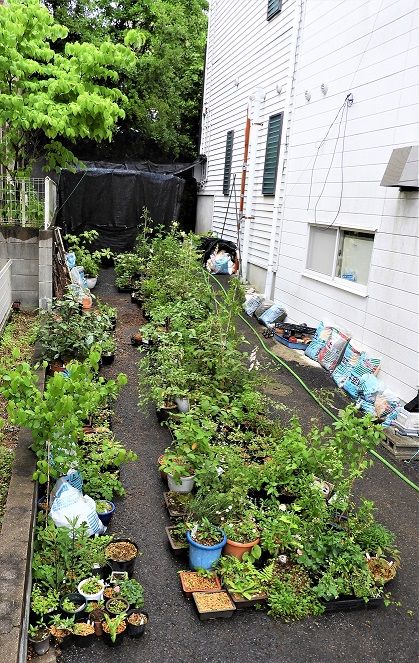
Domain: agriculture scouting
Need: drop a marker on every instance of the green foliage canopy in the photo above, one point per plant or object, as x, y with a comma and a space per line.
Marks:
47, 96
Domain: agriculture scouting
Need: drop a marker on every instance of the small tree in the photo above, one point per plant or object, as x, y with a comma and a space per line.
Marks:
47, 97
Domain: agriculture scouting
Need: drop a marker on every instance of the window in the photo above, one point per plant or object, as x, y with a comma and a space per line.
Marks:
273, 142
227, 162
274, 7
336, 253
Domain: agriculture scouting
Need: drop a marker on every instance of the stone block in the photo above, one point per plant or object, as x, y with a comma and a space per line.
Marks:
45, 273
24, 268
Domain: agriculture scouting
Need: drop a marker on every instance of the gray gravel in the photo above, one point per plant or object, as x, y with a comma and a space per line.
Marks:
175, 634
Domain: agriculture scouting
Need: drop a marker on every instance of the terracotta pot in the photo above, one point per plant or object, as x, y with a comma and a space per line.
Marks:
235, 549
86, 302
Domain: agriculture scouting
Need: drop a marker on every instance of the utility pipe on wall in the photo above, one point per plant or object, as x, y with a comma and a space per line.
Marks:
298, 12
255, 105
245, 164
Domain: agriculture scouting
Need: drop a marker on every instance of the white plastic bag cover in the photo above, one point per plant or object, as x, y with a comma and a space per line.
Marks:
331, 353
274, 314
251, 303
70, 505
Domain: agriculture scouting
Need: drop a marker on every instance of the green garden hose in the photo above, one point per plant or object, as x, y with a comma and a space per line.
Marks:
314, 397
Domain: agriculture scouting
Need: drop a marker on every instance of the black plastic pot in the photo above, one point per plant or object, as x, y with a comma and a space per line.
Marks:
103, 572
108, 359
118, 640
84, 641
40, 646
109, 609
75, 598
164, 413
127, 566
133, 630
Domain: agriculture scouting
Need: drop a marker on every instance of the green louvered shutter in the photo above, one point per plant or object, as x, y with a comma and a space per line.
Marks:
227, 162
273, 141
274, 7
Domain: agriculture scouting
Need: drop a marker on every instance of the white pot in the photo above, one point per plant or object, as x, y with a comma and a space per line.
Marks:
91, 282
91, 597
185, 486
182, 404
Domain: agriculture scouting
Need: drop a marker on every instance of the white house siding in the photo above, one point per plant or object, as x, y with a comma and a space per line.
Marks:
244, 48
369, 48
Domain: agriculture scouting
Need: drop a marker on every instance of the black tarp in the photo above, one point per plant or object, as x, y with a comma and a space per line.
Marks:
110, 198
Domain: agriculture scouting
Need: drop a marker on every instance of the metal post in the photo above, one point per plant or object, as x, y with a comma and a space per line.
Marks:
47, 210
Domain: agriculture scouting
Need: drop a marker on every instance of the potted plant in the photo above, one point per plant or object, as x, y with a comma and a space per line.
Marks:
43, 602
84, 634
241, 536
206, 542
132, 591
39, 636
176, 535
114, 628
108, 347
105, 510
177, 503
180, 473
121, 554
117, 605
61, 628
136, 622
198, 581
91, 588
97, 616
73, 603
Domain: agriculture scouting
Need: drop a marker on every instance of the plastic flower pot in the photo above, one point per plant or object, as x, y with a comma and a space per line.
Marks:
40, 643
105, 516
78, 601
108, 358
84, 638
118, 555
117, 605
137, 630
182, 404
204, 557
97, 596
185, 484
163, 413
119, 636
235, 549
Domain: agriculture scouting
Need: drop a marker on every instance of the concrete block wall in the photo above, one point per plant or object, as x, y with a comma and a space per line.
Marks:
30, 251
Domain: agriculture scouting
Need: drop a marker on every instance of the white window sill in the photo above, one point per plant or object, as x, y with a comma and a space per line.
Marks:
348, 286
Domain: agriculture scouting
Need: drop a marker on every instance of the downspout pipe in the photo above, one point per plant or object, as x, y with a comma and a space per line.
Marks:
255, 104
245, 163
278, 208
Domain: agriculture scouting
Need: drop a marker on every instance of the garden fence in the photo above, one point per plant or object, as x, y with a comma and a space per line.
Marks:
27, 201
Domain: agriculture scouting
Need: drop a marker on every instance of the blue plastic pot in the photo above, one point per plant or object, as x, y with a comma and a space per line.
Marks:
107, 515
203, 557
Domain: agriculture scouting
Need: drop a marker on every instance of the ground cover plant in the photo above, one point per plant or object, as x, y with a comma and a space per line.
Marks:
252, 477
16, 345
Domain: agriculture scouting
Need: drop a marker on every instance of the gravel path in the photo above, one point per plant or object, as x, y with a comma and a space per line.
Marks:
175, 634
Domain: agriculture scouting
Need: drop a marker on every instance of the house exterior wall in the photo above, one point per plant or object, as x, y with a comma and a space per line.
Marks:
371, 51
368, 48
244, 52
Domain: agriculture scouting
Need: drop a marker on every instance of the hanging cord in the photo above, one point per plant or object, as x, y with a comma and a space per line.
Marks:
315, 398
348, 102
233, 186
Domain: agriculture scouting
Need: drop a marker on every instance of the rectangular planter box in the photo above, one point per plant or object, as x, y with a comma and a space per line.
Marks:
241, 603
351, 603
188, 592
213, 614
173, 513
177, 549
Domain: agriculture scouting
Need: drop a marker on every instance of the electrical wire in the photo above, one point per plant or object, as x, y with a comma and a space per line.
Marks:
315, 398
68, 197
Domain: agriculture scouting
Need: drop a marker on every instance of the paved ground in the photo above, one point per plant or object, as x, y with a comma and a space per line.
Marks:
175, 634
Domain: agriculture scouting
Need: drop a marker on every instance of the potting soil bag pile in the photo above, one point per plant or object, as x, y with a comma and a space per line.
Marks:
365, 365
264, 306
348, 362
210, 245
274, 314
220, 262
70, 505
377, 400
331, 352
251, 303
320, 339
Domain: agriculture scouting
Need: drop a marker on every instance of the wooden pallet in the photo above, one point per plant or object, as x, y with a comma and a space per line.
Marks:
400, 446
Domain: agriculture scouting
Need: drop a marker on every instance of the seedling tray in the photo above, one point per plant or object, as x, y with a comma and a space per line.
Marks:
293, 346
212, 614
183, 575
241, 603
173, 513
351, 603
177, 549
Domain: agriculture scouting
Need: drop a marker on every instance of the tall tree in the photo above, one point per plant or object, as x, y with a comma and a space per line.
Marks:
164, 89
47, 97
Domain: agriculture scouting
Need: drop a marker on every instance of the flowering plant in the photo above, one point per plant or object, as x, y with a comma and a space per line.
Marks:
244, 531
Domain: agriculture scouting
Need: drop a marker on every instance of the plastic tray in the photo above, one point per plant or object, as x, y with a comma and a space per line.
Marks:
293, 346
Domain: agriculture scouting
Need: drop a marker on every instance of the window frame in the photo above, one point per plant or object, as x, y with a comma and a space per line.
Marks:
360, 289
273, 9
268, 146
228, 161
